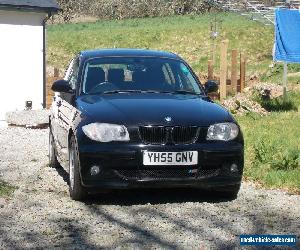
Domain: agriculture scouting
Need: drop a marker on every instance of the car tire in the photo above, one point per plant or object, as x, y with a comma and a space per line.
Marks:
53, 162
77, 191
230, 192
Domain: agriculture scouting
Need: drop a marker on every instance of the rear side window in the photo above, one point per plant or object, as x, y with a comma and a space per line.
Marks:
169, 76
72, 73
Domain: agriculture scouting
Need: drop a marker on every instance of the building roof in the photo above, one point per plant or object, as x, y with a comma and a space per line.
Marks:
48, 6
127, 53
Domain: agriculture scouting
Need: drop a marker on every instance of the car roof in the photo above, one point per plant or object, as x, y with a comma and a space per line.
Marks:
127, 53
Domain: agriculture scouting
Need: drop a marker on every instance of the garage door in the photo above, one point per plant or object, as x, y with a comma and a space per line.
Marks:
21, 60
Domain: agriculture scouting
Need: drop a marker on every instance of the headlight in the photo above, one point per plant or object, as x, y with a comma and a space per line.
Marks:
222, 132
105, 132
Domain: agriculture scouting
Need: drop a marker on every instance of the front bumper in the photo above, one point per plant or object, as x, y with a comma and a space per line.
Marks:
121, 166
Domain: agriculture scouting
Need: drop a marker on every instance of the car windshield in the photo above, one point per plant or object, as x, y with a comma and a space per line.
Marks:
138, 74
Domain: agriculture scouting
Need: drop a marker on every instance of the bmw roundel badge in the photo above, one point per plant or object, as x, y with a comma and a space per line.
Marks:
168, 119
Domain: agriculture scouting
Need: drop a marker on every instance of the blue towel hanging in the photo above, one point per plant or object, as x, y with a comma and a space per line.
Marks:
287, 36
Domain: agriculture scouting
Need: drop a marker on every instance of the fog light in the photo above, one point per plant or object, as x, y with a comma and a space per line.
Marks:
234, 168
95, 170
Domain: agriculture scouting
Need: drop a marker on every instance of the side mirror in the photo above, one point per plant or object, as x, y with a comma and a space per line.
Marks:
61, 86
211, 86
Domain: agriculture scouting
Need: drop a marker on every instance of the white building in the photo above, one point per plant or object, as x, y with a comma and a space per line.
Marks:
22, 53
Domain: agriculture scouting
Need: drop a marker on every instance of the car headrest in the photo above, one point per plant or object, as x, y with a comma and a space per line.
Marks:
115, 75
139, 76
95, 75
149, 80
157, 78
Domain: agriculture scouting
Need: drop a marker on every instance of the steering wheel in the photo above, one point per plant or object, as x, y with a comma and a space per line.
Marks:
103, 86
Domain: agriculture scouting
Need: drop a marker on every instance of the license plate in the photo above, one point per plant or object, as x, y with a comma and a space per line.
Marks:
170, 158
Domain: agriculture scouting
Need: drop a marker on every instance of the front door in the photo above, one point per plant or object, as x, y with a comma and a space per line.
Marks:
64, 111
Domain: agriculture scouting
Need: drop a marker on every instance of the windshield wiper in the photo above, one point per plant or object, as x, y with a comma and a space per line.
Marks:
129, 91
184, 92
120, 91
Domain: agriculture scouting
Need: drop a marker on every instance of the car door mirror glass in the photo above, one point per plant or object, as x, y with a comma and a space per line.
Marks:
211, 86
61, 86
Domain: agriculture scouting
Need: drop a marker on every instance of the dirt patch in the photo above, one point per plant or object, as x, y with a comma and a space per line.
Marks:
29, 118
244, 103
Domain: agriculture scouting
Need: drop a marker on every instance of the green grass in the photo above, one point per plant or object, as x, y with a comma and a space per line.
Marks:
275, 74
6, 190
188, 36
289, 103
272, 147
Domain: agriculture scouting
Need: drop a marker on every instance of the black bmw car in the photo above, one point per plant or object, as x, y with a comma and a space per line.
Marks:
127, 118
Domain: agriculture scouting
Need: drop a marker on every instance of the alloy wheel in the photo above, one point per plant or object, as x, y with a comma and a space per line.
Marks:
71, 167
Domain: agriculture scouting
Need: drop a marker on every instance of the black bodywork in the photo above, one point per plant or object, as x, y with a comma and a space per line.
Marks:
122, 162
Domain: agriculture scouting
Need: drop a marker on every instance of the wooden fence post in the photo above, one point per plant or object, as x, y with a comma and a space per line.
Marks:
243, 72
49, 92
56, 72
223, 69
234, 59
210, 70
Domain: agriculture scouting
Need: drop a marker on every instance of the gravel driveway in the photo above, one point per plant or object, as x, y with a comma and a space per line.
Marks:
41, 215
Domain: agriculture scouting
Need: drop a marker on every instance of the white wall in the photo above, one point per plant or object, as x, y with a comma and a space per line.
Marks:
21, 60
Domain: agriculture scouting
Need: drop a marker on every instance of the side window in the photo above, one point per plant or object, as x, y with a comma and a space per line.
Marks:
69, 70
186, 78
72, 73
